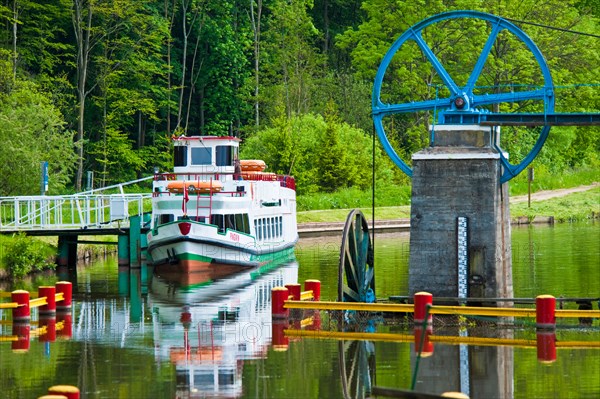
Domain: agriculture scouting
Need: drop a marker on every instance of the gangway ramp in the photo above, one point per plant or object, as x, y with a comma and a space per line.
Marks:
91, 210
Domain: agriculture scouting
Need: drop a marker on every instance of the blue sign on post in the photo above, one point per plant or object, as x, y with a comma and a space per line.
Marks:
44, 185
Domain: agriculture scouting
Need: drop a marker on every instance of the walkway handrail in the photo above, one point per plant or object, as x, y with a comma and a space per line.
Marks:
74, 211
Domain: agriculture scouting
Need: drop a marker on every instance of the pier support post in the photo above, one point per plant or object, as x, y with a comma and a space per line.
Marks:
123, 250
135, 243
67, 251
459, 177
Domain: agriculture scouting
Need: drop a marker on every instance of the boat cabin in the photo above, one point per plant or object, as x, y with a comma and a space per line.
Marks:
205, 154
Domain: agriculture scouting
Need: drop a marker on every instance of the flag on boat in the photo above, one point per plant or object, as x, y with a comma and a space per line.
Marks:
186, 198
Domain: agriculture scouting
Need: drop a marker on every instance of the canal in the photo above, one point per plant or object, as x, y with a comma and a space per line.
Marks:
138, 335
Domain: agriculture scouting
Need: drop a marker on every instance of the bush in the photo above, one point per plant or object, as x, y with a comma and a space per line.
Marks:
24, 255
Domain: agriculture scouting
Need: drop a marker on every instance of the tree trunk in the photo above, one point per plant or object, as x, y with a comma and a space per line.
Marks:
255, 19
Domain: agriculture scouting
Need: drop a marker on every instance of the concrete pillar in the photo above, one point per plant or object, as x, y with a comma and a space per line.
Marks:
459, 176
62, 259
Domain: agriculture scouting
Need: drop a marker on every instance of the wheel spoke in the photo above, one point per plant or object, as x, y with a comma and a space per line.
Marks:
436, 64
349, 292
425, 105
369, 276
351, 277
483, 58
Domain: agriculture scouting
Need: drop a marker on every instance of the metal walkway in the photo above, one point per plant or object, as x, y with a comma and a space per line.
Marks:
86, 210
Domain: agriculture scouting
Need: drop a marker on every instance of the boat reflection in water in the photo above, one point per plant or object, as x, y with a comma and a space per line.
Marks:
208, 328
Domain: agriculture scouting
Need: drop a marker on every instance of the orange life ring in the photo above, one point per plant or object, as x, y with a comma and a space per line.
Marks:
194, 187
252, 165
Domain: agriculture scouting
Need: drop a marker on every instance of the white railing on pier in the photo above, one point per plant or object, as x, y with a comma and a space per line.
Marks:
89, 209
76, 211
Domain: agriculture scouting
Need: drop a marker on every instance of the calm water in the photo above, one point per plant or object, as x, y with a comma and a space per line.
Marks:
135, 335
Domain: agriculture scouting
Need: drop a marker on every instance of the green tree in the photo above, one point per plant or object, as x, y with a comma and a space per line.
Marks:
292, 60
32, 132
323, 155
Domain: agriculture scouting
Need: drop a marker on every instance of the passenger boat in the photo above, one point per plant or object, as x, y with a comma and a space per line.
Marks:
217, 213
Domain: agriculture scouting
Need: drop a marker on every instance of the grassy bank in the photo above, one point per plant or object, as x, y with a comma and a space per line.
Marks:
387, 195
21, 255
577, 206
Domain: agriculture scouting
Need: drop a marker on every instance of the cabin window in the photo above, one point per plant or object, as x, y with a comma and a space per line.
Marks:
166, 218
264, 228
180, 155
230, 222
241, 223
224, 155
258, 229
201, 156
219, 221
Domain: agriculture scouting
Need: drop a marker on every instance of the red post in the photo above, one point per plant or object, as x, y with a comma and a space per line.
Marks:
316, 321
67, 290
66, 331
69, 391
422, 299
546, 346
22, 330
294, 291
427, 346
315, 287
48, 321
21, 312
278, 297
278, 339
545, 317
50, 293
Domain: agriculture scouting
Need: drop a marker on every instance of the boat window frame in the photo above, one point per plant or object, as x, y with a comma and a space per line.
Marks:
180, 156
201, 156
224, 155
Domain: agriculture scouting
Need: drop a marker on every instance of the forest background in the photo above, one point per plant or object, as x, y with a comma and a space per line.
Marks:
98, 85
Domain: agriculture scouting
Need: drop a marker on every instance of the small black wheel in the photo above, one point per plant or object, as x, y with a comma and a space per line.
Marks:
356, 273
192, 189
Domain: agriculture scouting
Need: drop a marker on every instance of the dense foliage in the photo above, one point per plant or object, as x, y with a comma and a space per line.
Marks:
96, 85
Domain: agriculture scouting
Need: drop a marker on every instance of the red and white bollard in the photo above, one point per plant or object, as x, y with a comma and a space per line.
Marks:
50, 293
295, 290
421, 301
546, 346
279, 340
21, 329
315, 287
278, 297
426, 346
21, 312
66, 288
545, 312
66, 319
49, 322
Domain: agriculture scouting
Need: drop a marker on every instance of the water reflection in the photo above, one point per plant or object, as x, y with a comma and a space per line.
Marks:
207, 330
